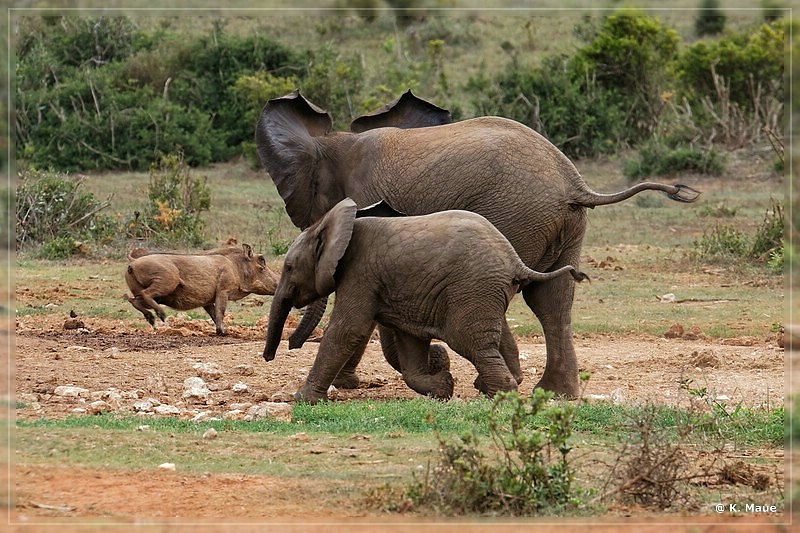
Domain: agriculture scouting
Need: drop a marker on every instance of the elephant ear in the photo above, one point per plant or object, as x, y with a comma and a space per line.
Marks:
288, 149
379, 209
408, 111
333, 233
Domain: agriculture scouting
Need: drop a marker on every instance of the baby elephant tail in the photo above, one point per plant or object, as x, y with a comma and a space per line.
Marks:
530, 276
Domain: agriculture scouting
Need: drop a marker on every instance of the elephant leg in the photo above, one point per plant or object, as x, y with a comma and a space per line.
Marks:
438, 360
510, 354
339, 344
347, 377
413, 358
551, 302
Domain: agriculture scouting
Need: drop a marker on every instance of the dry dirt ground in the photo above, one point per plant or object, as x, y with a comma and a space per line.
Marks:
107, 354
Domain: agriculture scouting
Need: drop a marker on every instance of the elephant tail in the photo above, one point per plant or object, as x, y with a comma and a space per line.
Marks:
528, 276
679, 193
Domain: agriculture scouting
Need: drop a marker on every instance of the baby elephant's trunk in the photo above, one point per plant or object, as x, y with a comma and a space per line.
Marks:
530, 276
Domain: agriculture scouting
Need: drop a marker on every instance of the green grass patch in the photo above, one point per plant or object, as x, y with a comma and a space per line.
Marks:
741, 424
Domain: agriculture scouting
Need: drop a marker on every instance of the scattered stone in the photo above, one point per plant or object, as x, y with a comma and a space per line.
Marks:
208, 370
165, 409
167, 466
155, 384
77, 348
97, 407
277, 411
195, 389
244, 370
282, 396
617, 396
302, 437
239, 388
596, 397
79, 411
70, 391
668, 298
234, 414
210, 434
143, 427
723, 398
202, 415
143, 406
27, 397
51, 306
740, 341
240, 406
523, 356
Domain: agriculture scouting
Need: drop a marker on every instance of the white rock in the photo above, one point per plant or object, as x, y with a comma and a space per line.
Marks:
165, 409
51, 306
155, 384
244, 370
239, 387
208, 370
70, 391
723, 398
98, 407
167, 466
143, 427
193, 382
617, 396
196, 393
532, 370
210, 433
596, 397
77, 348
278, 411
202, 415
143, 406
282, 396
234, 414
79, 410
240, 406
523, 356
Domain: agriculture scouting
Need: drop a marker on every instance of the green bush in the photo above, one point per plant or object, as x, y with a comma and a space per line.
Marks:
58, 248
528, 473
606, 95
656, 159
146, 96
52, 207
752, 64
724, 242
173, 216
710, 19
769, 236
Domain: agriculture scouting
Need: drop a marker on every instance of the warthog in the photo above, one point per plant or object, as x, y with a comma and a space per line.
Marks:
187, 281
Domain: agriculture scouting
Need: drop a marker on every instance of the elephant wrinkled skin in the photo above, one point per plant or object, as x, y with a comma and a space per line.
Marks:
409, 155
448, 275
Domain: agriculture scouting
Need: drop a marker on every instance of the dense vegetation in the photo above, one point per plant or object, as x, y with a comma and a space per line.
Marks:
123, 93
111, 93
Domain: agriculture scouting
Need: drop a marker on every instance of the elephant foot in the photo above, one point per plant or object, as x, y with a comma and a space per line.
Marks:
490, 390
568, 389
346, 380
438, 360
308, 395
438, 386
443, 386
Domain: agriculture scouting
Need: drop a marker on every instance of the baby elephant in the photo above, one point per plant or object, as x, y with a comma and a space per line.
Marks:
448, 275
208, 280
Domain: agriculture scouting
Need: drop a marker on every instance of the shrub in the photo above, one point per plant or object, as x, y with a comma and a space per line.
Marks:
528, 474
722, 241
176, 202
656, 159
710, 19
769, 236
52, 207
751, 64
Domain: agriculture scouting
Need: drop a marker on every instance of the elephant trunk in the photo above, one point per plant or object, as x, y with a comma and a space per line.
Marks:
679, 193
311, 317
278, 313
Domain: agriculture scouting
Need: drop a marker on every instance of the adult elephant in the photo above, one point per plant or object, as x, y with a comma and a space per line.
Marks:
411, 155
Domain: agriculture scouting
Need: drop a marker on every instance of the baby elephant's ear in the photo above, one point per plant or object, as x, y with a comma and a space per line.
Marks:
332, 236
408, 111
